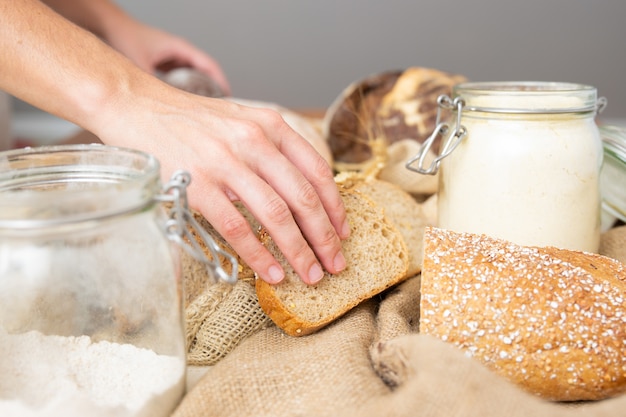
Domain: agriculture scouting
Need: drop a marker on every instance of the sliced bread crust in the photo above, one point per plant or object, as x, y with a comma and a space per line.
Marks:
377, 258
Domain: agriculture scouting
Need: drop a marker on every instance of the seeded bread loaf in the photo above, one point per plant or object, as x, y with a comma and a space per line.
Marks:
551, 320
376, 256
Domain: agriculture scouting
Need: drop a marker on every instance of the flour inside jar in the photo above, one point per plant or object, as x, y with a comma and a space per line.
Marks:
48, 375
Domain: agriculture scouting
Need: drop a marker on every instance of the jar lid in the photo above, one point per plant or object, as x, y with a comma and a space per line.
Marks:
613, 173
531, 97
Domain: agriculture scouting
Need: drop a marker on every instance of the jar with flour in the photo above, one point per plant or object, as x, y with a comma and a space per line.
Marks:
522, 163
90, 287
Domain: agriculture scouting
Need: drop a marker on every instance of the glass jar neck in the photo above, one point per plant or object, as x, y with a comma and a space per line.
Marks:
66, 184
526, 97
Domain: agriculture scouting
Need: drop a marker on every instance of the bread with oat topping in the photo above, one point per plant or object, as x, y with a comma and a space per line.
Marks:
551, 320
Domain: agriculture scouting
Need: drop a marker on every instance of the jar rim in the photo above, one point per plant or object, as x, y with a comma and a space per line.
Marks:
528, 97
63, 184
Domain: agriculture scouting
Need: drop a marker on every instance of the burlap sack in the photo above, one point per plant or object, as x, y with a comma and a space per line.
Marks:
217, 316
219, 319
613, 243
272, 374
433, 378
371, 362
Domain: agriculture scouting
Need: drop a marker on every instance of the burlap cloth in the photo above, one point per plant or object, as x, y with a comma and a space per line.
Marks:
371, 362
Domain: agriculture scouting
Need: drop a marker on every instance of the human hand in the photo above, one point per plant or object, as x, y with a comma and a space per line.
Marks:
150, 48
232, 151
235, 152
155, 50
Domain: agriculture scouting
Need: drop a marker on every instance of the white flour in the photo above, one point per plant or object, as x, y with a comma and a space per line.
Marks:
72, 376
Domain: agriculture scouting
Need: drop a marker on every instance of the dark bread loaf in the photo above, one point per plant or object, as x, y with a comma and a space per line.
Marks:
551, 320
393, 105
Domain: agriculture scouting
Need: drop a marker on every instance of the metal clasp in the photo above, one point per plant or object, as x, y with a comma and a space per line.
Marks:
601, 104
176, 229
441, 128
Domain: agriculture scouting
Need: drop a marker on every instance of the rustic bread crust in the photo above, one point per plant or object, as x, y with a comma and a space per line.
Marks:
282, 316
551, 320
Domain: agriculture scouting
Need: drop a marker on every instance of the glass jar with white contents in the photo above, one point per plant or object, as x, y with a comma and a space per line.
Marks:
522, 163
90, 283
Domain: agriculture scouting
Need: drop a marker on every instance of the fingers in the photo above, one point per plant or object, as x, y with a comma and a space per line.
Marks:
231, 224
307, 191
303, 238
317, 172
237, 152
271, 211
307, 163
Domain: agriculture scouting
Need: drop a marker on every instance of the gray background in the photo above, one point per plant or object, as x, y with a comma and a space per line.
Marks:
303, 53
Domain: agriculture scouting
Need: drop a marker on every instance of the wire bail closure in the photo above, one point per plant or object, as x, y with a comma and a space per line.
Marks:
441, 128
175, 191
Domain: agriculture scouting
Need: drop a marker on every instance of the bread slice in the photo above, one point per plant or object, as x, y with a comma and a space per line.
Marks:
403, 211
551, 320
376, 256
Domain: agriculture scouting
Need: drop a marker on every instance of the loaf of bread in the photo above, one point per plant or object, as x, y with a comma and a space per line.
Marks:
551, 320
376, 256
392, 105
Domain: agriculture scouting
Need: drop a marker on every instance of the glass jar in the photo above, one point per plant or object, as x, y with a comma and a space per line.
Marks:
90, 283
521, 163
613, 175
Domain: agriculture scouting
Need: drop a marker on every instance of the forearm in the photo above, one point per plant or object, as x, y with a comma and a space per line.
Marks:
59, 67
100, 17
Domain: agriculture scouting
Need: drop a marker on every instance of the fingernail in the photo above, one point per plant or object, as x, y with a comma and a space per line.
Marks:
315, 274
340, 262
345, 229
276, 274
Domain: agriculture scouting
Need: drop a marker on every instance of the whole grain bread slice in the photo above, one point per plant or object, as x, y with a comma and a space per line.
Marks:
377, 258
403, 211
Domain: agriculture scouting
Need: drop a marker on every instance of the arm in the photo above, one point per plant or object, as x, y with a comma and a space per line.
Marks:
150, 48
65, 70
